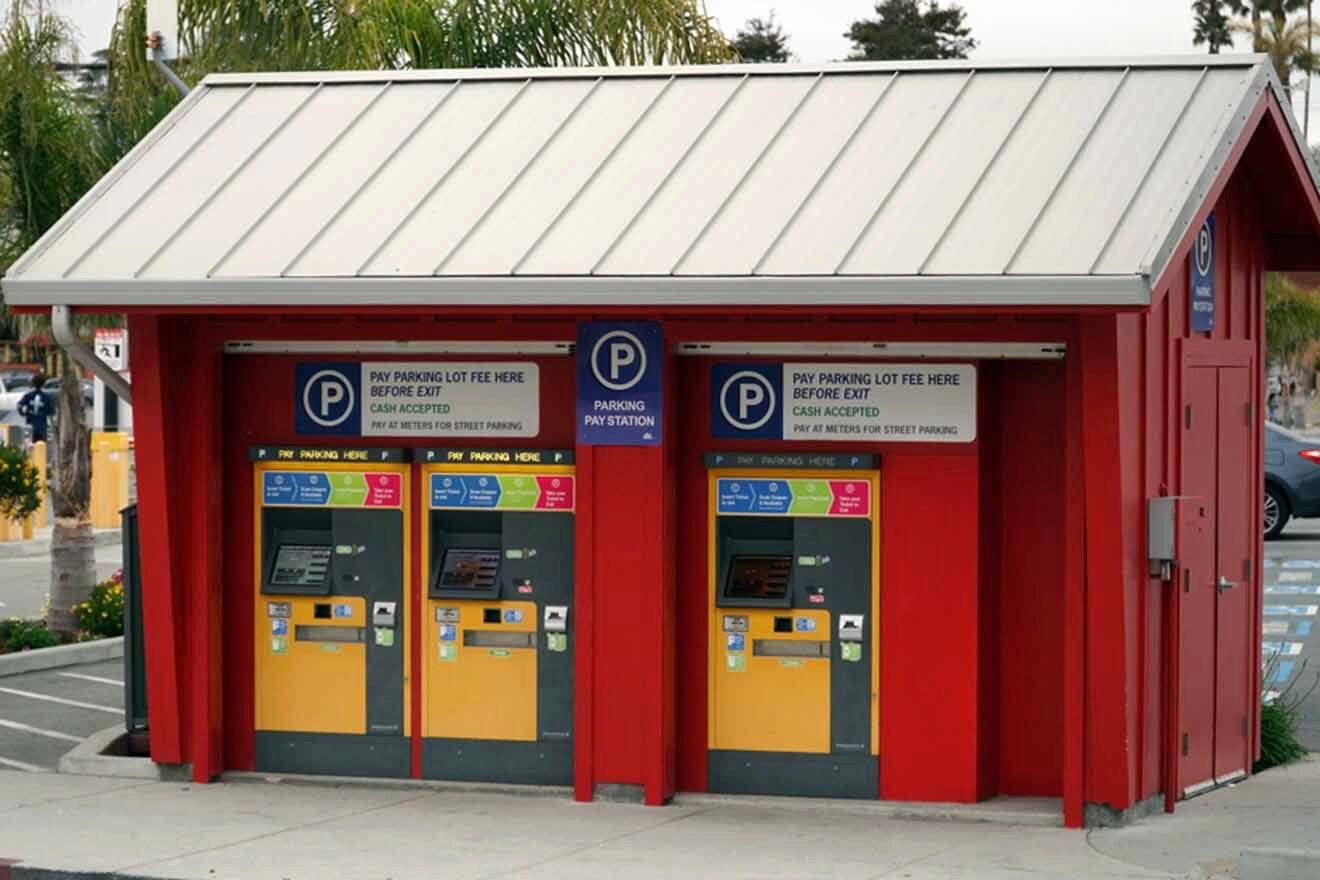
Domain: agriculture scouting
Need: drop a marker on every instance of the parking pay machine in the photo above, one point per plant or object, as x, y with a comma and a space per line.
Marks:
498, 617
331, 617
793, 598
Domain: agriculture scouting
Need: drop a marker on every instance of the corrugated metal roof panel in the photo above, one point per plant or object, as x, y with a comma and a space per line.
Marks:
988, 171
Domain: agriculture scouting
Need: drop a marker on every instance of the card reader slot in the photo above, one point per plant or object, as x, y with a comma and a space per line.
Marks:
488, 638
789, 648
339, 634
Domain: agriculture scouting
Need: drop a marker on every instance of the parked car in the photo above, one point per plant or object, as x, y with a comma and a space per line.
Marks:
1292, 478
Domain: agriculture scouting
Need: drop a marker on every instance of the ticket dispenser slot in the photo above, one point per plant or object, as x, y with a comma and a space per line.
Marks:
330, 672
791, 697
498, 681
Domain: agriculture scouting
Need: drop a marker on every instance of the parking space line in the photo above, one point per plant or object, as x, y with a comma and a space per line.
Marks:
19, 765
48, 698
96, 678
39, 731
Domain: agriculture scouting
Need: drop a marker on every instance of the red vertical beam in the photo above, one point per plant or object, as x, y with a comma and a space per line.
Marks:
150, 366
659, 764
584, 547
1074, 654
416, 522
202, 493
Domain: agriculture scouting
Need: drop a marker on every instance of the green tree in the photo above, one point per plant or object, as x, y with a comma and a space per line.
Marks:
762, 40
1211, 23
1292, 320
1286, 41
910, 30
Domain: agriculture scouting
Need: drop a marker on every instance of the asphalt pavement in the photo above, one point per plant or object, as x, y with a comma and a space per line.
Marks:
45, 714
25, 581
1292, 620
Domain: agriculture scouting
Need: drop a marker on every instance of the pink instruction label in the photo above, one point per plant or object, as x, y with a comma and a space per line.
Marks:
557, 492
851, 498
384, 490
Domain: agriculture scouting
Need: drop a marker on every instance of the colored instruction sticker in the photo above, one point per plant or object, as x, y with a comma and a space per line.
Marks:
279, 646
500, 652
448, 632
347, 489
385, 636
804, 624
557, 642
736, 641
850, 651
736, 662
343, 610
278, 609
279, 626
792, 664
513, 615
448, 652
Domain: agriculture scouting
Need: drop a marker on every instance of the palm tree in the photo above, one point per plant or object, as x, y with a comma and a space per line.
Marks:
48, 159
1287, 42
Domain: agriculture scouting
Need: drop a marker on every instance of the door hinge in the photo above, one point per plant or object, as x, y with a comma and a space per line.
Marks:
1244, 725
1187, 580
1187, 416
1246, 569
1251, 414
1187, 744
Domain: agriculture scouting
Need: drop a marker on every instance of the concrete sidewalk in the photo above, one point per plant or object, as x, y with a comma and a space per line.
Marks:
259, 830
40, 543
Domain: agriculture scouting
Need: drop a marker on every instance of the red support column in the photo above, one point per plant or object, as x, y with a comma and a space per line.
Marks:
1074, 615
159, 606
625, 687
197, 436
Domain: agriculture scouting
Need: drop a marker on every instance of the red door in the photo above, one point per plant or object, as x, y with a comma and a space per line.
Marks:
1215, 668
1235, 673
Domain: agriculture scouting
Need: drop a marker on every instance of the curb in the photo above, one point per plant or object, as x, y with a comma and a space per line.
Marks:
87, 759
64, 655
985, 812
1279, 864
41, 546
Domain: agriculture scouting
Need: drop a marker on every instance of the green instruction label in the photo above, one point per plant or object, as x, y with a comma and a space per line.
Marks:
851, 651
448, 652
557, 642
500, 652
810, 498
792, 664
519, 493
736, 662
279, 645
347, 490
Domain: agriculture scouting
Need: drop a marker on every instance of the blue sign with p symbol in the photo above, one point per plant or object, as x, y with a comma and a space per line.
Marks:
747, 400
618, 383
328, 398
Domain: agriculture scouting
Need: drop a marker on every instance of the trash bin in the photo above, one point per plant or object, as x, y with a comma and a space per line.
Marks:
135, 665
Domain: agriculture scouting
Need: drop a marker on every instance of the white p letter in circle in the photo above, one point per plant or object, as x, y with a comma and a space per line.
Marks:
1205, 250
328, 398
618, 360
750, 393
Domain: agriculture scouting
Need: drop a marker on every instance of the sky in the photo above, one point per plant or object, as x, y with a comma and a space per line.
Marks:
1014, 29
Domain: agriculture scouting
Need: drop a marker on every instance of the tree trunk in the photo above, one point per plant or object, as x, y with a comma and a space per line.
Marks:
72, 546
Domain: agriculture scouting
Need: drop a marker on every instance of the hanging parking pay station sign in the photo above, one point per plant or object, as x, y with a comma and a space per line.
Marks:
618, 380
1201, 303
419, 399
913, 403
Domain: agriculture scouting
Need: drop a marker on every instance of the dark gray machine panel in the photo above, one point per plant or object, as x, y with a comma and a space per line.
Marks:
542, 545
841, 549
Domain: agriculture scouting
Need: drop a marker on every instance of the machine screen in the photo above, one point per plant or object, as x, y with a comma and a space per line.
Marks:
758, 577
301, 565
463, 569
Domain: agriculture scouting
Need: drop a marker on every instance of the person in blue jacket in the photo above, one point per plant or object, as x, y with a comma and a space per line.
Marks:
35, 407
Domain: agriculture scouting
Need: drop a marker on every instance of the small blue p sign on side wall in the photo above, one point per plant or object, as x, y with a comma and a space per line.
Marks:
1201, 298
619, 398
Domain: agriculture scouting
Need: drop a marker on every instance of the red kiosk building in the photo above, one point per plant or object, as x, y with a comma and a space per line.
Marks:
1067, 258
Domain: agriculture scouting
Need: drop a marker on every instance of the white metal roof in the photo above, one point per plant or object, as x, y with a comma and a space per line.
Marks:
1049, 183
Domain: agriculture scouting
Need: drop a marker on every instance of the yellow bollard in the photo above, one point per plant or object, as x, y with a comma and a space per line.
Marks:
38, 456
110, 470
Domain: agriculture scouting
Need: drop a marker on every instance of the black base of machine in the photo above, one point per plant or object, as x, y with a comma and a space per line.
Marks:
488, 760
335, 754
793, 774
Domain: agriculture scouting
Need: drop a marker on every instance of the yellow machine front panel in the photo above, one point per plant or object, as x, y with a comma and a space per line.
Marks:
307, 679
480, 675
771, 689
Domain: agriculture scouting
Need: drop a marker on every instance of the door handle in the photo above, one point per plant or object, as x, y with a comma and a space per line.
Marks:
1225, 584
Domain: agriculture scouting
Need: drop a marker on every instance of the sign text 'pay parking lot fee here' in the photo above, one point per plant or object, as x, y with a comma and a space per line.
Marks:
921, 403
419, 399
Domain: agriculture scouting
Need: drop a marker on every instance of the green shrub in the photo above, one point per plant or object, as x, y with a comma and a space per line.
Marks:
26, 635
102, 615
20, 485
1279, 719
